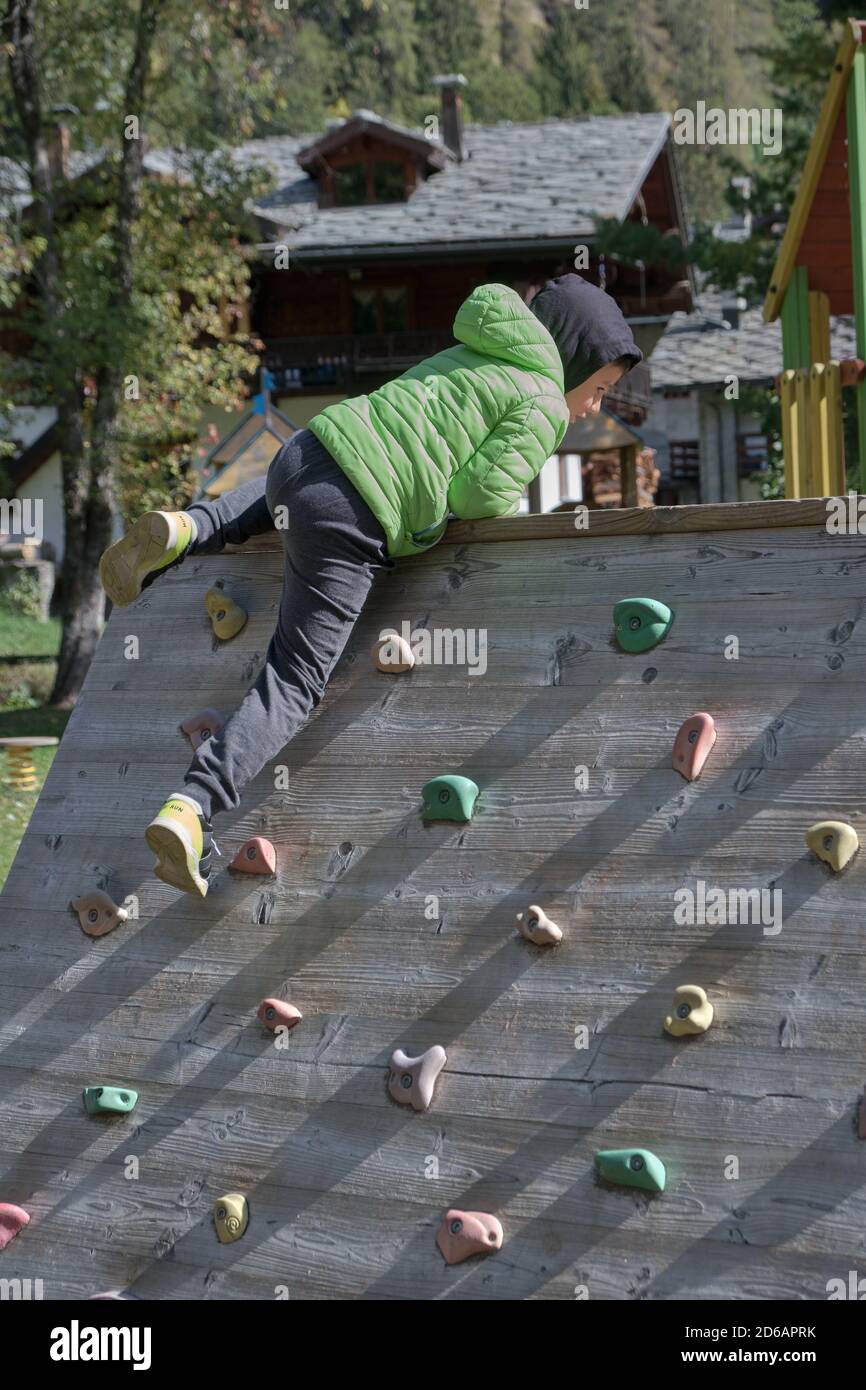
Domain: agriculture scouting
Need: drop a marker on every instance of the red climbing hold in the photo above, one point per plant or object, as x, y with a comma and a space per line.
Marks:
467, 1233
200, 727
12, 1220
276, 1013
257, 856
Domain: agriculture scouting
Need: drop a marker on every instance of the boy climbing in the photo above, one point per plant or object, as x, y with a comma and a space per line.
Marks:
371, 479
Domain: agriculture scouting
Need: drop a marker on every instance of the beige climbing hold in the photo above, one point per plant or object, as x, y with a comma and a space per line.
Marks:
412, 1079
691, 1012
834, 841
392, 653
276, 1013
200, 727
463, 1234
537, 927
231, 1216
227, 617
97, 913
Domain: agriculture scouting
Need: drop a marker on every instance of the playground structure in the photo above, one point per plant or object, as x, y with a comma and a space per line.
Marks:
385, 932
821, 270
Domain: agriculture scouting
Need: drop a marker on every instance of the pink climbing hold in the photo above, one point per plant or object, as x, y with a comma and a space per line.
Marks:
12, 1220
411, 1079
693, 744
463, 1234
276, 1013
200, 727
257, 856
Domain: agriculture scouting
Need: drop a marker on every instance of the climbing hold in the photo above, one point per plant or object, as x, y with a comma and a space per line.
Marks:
412, 1079
227, 617
833, 841
691, 1012
641, 623
695, 738
537, 927
276, 1013
861, 1126
632, 1168
97, 913
450, 797
231, 1216
463, 1234
12, 1220
392, 653
200, 727
116, 1100
256, 856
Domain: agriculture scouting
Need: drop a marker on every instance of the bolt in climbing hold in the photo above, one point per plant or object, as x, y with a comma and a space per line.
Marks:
231, 1216
12, 1220
695, 738
691, 1012
116, 1100
463, 1234
833, 841
97, 913
200, 727
392, 653
276, 1013
537, 927
449, 797
641, 623
227, 617
632, 1168
411, 1079
256, 856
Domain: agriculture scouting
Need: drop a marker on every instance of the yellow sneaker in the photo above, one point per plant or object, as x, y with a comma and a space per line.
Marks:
155, 542
182, 840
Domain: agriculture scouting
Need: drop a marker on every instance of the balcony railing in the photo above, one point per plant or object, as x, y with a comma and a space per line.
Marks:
354, 362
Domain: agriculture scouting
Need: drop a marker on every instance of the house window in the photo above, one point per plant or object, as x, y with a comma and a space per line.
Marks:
369, 181
685, 459
380, 310
350, 185
752, 453
388, 182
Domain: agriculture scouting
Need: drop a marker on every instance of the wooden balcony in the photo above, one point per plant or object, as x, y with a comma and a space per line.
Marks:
359, 362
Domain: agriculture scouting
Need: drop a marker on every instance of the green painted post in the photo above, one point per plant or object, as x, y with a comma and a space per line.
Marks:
855, 116
796, 349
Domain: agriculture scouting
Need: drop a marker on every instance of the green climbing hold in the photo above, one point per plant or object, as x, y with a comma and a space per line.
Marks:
632, 1168
449, 798
641, 623
116, 1100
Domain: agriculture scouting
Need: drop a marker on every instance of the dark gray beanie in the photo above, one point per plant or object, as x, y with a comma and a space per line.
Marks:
587, 326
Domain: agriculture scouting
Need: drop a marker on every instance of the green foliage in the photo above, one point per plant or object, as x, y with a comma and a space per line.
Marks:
20, 592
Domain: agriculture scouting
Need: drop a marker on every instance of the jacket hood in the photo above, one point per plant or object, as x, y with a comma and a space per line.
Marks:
586, 325
495, 321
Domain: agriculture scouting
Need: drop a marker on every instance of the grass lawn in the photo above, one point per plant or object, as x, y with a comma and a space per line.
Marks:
24, 689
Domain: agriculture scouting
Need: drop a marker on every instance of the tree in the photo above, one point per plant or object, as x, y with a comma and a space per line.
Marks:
120, 317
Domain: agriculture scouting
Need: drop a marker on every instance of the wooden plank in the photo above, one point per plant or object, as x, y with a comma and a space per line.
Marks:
388, 933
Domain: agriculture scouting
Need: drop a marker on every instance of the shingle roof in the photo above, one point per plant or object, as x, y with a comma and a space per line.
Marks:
527, 181
699, 350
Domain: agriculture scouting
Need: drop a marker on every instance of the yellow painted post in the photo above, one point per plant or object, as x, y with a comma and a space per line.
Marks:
818, 431
791, 435
819, 326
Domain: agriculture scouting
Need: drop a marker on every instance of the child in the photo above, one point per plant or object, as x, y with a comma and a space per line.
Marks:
371, 479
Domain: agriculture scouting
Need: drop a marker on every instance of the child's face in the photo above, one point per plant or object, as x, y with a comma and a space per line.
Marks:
586, 399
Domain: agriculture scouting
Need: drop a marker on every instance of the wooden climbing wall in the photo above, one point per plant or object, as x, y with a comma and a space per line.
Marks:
386, 933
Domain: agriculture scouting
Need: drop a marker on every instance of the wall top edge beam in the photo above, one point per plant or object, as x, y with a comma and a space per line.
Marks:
625, 521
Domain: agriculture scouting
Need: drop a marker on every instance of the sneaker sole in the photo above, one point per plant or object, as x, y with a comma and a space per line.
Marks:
177, 860
131, 559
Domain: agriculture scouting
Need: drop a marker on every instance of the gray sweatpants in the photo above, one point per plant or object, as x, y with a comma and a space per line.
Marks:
333, 547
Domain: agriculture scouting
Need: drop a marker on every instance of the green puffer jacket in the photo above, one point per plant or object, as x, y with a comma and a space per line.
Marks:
463, 432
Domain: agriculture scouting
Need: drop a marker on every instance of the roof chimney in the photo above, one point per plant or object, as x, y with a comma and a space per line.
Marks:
452, 112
